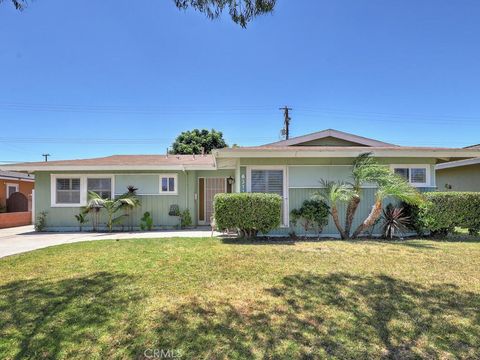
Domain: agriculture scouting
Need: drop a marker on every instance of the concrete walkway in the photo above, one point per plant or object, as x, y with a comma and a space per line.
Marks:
22, 239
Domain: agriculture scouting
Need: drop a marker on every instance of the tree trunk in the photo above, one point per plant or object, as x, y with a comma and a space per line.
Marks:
370, 220
337, 223
351, 210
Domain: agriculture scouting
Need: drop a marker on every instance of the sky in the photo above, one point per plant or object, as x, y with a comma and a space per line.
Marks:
82, 79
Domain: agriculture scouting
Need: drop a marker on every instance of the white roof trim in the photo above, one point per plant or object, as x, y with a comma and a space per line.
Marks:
454, 164
331, 133
33, 168
444, 154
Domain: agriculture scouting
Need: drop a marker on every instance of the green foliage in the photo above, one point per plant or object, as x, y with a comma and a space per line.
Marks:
394, 221
192, 142
185, 219
146, 222
112, 206
81, 219
241, 11
313, 214
250, 213
443, 211
41, 221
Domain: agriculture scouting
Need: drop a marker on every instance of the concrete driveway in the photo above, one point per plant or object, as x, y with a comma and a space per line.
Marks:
22, 239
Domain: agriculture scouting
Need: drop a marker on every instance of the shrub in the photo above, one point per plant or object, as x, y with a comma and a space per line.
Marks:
394, 221
41, 221
443, 211
185, 219
146, 222
249, 213
313, 215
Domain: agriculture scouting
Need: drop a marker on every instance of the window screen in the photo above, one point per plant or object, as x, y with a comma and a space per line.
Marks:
267, 181
419, 175
168, 184
68, 191
403, 172
102, 186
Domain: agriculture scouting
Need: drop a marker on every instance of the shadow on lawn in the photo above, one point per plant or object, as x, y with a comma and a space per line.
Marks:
62, 319
338, 315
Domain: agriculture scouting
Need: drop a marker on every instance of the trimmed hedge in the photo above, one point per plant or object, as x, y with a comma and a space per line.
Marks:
443, 211
249, 213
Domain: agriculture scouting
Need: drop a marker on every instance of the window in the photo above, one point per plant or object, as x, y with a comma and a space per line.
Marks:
414, 174
267, 181
102, 186
68, 191
168, 184
403, 172
11, 188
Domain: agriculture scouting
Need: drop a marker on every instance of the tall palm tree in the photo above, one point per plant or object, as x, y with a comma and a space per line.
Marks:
390, 185
112, 206
333, 193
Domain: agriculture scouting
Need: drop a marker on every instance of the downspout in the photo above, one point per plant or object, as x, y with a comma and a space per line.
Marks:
186, 186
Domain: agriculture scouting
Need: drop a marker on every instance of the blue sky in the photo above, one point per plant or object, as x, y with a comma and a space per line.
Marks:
84, 79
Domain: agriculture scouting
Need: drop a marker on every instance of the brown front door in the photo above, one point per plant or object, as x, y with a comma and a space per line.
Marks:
208, 188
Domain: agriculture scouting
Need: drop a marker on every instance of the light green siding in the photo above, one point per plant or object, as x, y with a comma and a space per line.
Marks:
462, 178
146, 184
329, 141
310, 176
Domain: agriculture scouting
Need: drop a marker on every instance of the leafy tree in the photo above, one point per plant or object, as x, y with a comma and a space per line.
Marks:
192, 142
241, 11
313, 212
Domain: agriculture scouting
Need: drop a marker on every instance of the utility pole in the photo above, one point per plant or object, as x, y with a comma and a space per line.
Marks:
286, 121
46, 156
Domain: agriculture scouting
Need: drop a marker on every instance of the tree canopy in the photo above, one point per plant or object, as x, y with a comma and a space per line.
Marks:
241, 11
192, 142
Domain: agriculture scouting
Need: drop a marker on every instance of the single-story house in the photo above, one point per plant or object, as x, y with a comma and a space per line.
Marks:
12, 182
292, 168
460, 175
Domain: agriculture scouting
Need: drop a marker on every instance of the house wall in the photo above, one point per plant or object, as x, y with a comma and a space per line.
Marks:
462, 178
303, 181
63, 218
25, 187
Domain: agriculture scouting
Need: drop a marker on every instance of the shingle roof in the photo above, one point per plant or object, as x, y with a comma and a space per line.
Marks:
16, 175
136, 162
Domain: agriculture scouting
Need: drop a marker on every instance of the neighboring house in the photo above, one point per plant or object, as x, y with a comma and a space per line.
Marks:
292, 168
462, 175
12, 182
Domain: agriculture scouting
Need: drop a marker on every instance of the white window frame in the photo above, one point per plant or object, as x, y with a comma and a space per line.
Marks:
83, 188
414, 166
175, 190
286, 213
7, 185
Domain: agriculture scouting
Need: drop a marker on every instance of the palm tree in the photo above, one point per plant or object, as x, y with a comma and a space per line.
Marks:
333, 193
390, 185
112, 206
365, 170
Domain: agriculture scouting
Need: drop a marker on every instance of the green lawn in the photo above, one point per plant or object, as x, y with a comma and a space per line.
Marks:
214, 299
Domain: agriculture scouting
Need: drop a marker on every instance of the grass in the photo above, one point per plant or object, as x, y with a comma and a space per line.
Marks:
219, 299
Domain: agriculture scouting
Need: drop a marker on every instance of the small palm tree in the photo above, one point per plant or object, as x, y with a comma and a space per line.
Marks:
390, 185
333, 193
365, 170
112, 206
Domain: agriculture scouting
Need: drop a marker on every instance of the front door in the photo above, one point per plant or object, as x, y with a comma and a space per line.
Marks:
207, 189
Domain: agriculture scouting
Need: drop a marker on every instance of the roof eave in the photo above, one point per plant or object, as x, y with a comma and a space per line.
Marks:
33, 168
445, 155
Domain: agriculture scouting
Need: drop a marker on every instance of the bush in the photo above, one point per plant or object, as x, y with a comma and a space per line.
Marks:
443, 211
249, 213
146, 222
313, 213
41, 221
185, 219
